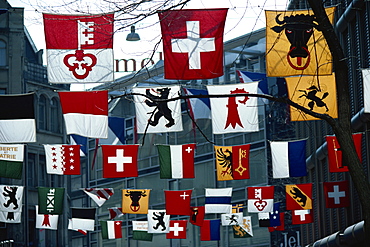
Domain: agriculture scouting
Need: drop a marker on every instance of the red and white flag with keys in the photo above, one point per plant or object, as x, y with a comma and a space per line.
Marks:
193, 43
62, 159
260, 199
79, 48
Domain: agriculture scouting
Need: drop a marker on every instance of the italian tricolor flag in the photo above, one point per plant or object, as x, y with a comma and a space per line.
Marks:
176, 161
111, 229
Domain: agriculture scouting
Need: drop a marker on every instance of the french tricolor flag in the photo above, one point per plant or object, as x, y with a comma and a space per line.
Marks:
210, 230
288, 158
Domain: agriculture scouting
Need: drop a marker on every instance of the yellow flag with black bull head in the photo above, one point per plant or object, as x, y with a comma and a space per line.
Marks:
316, 93
295, 45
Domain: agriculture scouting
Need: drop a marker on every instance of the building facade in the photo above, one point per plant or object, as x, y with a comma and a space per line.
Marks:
22, 71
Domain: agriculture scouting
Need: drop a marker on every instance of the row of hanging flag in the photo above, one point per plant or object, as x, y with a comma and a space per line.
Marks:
192, 45
136, 201
176, 161
193, 49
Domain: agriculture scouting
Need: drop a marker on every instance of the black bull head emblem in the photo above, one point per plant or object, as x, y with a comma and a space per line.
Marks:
135, 197
298, 30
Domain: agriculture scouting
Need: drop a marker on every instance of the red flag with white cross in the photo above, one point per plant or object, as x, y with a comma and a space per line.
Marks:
303, 216
336, 194
120, 161
193, 43
178, 202
177, 229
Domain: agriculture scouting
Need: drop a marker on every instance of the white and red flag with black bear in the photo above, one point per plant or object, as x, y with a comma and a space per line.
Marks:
120, 161
260, 199
336, 194
193, 43
79, 48
99, 195
234, 114
62, 159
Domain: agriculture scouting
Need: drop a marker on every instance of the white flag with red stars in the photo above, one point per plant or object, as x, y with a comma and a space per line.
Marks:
62, 159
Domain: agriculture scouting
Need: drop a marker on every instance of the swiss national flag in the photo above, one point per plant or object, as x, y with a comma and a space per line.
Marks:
62, 159
178, 202
335, 152
260, 199
120, 161
193, 43
177, 229
336, 194
303, 216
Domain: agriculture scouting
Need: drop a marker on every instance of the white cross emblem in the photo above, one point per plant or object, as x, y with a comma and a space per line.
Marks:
302, 214
193, 44
120, 160
336, 194
184, 196
176, 229
188, 150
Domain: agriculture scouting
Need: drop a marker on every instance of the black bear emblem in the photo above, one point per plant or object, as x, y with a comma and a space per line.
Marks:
11, 193
160, 218
161, 109
299, 196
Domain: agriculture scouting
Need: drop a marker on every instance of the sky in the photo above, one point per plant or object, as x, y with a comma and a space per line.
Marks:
243, 17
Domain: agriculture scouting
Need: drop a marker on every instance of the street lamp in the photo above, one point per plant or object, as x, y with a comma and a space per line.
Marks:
133, 36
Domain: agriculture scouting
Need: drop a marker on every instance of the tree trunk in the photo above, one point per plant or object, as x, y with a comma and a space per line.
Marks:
342, 127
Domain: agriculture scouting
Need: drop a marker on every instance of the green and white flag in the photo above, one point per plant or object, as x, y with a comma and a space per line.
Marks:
111, 229
140, 231
176, 161
11, 161
51, 200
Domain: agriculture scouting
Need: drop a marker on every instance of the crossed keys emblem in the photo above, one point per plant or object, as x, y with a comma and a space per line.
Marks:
81, 63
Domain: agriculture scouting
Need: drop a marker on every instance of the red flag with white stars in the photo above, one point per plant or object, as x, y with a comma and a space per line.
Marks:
336, 194
178, 202
120, 161
62, 159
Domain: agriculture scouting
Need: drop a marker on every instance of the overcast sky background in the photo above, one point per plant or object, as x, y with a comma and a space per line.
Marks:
243, 17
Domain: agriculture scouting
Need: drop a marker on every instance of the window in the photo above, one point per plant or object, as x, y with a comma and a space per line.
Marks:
54, 114
42, 113
2, 53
